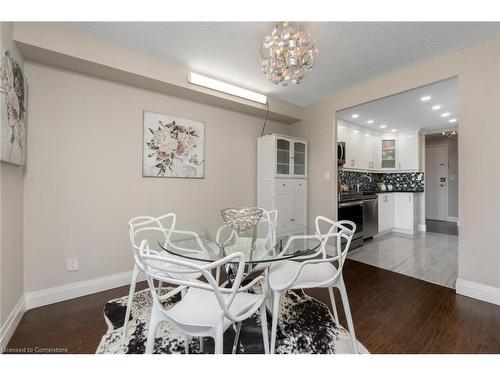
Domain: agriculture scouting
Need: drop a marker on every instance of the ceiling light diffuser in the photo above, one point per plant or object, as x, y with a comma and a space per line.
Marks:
452, 120
425, 98
436, 107
369, 122
394, 130
383, 126
198, 79
446, 114
356, 131
355, 115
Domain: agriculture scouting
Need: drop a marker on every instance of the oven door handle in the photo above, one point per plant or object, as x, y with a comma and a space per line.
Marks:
351, 204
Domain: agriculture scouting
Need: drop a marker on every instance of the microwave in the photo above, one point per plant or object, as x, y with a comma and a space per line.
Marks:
340, 153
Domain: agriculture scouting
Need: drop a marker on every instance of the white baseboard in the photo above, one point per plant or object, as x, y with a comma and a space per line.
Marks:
452, 219
422, 228
11, 323
403, 231
74, 290
478, 291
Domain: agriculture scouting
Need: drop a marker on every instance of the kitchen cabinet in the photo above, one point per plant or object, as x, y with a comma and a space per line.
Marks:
280, 156
405, 212
408, 151
388, 152
385, 212
290, 199
282, 178
352, 149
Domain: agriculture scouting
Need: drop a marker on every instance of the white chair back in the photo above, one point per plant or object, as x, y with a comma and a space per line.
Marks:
147, 227
173, 271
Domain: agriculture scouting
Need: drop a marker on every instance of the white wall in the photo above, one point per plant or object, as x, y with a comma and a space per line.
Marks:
84, 172
11, 210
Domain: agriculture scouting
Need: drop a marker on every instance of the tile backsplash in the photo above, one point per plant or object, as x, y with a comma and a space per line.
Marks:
404, 181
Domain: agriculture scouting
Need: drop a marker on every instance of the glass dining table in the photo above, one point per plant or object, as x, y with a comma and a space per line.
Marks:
210, 240
260, 245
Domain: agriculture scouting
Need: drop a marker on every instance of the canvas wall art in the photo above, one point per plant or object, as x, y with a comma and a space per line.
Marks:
173, 147
12, 111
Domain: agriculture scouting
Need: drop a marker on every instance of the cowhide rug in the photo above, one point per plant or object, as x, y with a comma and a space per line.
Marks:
305, 326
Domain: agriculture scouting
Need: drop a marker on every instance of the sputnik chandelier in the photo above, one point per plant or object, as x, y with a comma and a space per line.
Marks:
288, 53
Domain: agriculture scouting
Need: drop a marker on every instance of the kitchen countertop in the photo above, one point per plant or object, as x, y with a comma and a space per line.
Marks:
400, 191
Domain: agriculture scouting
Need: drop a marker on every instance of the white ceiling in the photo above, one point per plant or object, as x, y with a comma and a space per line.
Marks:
350, 52
406, 110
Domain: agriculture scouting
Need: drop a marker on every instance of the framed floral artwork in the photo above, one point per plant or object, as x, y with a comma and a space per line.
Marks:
173, 147
12, 111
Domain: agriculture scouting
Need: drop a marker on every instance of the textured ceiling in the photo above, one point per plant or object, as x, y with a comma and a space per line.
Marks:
350, 52
405, 110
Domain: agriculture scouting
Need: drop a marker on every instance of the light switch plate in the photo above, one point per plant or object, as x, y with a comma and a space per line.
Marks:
72, 264
328, 175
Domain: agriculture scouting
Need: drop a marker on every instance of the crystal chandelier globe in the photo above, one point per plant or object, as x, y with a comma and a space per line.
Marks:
288, 53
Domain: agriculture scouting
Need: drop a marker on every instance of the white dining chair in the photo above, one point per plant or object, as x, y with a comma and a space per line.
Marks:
152, 228
206, 309
317, 270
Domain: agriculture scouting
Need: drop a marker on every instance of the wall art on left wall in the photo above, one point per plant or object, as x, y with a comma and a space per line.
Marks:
173, 147
12, 111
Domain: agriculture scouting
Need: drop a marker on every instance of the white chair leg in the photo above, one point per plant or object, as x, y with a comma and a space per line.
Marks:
202, 348
334, 307
160, 285
130, 300
186, 344
217, 275
153, 324
219, 342
347, 311
274, 325
263, 322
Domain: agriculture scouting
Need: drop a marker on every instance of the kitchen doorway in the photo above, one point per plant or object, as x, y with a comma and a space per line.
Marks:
403, 151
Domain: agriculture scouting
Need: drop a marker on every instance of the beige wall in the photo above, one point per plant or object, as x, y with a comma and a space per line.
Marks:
84, 172
478, 71
11, 210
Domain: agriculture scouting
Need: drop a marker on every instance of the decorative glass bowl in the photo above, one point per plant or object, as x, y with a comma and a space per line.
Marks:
241, 219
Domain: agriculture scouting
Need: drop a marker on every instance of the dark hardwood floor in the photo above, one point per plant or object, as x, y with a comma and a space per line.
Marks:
392, 313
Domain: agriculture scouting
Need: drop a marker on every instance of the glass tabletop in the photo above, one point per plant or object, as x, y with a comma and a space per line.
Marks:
211, 240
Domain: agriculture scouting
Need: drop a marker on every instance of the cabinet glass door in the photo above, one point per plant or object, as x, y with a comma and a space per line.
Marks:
299, 158
282, 157
388, 153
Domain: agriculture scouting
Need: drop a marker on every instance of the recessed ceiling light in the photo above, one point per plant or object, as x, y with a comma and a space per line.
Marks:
436, 107
446, 114
369, 122
356, 131
366, 134
383, 126
355, 115
394, 130
425, 98
341, 127
452, 120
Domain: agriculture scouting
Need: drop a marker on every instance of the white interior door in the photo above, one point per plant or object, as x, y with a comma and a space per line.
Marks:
435, 182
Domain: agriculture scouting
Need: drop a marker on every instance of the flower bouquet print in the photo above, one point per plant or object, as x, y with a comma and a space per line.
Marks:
173, 147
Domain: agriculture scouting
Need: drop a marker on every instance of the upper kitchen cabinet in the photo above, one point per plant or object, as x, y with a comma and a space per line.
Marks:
388, 152
281, 156
408, 151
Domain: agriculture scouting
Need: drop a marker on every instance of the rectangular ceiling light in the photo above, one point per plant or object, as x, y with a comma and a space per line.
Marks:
197, 79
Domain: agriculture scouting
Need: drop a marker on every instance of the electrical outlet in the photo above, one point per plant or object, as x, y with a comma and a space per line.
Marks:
72, 264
